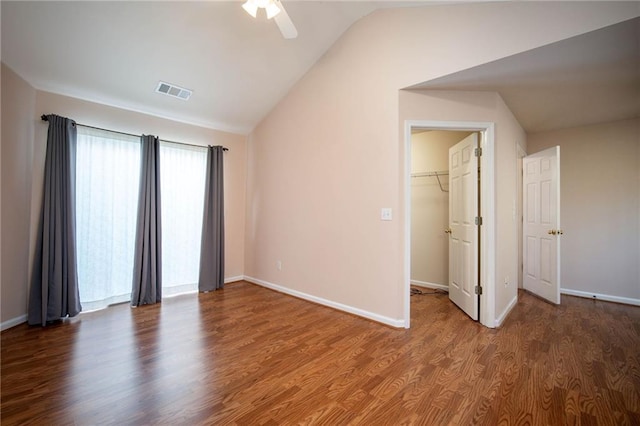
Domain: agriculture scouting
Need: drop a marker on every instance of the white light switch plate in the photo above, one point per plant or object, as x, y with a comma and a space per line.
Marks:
385, 214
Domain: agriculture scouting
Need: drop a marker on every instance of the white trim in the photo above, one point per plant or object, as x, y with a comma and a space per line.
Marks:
233, 279
398, 323
520, 154
506, 311
599, 296
13, 322
427, 284
488, 236
558, 240
406, 288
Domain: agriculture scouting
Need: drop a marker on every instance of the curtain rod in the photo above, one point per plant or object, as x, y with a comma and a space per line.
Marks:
45, 118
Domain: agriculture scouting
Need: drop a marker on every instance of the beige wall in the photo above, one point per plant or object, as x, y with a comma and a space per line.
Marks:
600, 206
330, 155
23, 170
430, 207
18, 107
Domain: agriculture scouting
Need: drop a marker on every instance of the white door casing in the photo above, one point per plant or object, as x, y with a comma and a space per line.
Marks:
463, 231
541, 229
488, 212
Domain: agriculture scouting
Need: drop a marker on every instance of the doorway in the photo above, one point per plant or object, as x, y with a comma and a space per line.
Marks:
486, 244
433, 243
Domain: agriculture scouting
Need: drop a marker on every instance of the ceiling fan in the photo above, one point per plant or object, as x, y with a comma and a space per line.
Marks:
274, 9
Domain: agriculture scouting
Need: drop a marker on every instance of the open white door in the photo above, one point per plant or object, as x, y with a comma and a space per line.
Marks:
541, 224
463, 231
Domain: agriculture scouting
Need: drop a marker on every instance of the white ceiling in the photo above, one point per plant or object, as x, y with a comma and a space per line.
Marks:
239, 67
116, 52
588, 79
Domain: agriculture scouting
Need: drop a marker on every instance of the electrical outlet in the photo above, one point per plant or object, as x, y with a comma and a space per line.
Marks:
385, 214
506, 281
279, 265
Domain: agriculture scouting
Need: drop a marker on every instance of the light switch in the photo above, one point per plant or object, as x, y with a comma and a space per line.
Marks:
385, 214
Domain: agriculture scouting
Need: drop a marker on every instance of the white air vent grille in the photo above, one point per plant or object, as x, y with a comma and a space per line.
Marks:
173, 90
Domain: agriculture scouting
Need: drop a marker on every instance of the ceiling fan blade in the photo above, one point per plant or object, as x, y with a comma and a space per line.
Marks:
285, 24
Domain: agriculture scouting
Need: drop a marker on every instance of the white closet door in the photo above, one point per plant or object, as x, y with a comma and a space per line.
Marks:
541, 224
463, 231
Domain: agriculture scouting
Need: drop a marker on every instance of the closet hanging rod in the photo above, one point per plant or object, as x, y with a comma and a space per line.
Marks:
433, 174
45, 118
430, 174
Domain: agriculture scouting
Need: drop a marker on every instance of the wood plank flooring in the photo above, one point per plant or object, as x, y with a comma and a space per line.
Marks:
250, 356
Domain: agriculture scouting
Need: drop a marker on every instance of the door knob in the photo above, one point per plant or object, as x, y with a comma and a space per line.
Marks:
552, 232
447, 231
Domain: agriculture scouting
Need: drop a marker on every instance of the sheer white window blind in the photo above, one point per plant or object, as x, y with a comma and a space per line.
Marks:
107, 179
107, 176
182, 175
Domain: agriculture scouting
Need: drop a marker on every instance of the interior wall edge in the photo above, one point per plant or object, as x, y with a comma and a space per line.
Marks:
5, 325
600, 296
429, 285
512, 304
397, 323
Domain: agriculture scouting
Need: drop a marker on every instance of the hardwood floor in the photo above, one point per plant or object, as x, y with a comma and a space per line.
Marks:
247, 355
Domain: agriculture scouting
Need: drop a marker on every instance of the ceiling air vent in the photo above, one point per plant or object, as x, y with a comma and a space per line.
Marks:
173, 90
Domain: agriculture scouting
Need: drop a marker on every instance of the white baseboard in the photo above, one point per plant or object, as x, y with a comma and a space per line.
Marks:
430, 285
398, 323
13, 322
598, 296
506, 311
233, 279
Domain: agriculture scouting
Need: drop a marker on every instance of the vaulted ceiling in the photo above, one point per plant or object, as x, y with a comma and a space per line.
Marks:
240, 67
116, 53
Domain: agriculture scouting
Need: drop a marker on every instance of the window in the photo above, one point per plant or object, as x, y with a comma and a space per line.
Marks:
107, 180
107, 176
182, 178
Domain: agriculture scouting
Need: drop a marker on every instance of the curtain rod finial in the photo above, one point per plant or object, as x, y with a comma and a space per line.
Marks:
44, 117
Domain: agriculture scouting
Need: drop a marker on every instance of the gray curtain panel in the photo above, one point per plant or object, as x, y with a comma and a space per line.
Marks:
54, 286
147, 265
212, 248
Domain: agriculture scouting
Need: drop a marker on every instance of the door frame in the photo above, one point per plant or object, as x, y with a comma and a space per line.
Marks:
520, 154
487, 243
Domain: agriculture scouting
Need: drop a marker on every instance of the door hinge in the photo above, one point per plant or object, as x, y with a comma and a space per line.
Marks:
478, 152
478, 220
478, 289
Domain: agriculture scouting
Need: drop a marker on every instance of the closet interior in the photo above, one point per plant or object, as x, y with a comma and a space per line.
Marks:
430, 206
